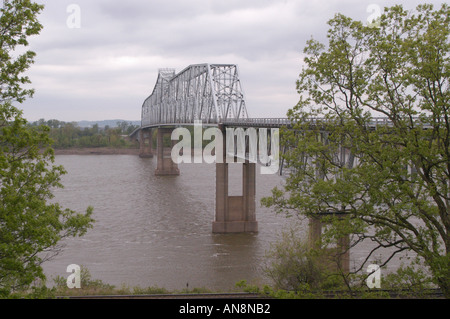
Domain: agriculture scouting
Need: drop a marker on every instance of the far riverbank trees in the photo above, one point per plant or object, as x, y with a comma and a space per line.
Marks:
70, 135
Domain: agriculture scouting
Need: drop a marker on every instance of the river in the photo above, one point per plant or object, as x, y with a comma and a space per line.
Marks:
156, 230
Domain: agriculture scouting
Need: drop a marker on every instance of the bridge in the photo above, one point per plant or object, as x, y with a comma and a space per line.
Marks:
210, 94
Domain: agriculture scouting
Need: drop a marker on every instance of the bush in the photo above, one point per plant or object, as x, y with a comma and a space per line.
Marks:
293, 266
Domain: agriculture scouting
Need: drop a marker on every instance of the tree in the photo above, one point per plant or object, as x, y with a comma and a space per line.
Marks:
392, 176
30, 225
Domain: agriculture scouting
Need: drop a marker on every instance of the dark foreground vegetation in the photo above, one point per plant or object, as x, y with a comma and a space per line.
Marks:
97, 288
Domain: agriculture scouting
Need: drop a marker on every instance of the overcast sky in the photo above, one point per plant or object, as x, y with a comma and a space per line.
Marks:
103, 63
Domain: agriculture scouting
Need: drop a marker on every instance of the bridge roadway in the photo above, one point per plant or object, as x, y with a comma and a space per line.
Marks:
267, 122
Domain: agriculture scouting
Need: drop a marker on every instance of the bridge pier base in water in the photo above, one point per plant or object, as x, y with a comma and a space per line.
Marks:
335, 258
235, 214
165, 164
146, 143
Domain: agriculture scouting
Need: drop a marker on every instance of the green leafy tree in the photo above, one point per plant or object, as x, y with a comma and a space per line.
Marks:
30, 225
391, 176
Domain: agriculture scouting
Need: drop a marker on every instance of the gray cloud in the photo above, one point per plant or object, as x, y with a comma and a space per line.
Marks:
106, 68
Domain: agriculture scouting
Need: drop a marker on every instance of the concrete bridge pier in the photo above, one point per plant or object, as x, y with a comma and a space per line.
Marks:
145, 143
165, 165
235, 214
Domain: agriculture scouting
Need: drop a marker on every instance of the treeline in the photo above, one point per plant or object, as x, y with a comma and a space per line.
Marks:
70, 134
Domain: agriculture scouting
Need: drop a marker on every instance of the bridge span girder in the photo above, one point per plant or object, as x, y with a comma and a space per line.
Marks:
211, 93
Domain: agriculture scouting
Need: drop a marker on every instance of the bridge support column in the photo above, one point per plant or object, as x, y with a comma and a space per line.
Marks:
165, 165
235, 214
145, 143
334, 258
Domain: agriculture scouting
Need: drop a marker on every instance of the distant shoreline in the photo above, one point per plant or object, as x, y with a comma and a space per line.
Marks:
97, 151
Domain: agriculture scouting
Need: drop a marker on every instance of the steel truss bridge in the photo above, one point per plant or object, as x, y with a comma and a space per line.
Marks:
211, 93
208, 93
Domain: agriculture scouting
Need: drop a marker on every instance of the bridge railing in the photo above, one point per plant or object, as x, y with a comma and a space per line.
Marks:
278, 122
267, 122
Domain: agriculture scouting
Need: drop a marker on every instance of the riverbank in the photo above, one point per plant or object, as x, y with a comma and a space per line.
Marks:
97, 151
